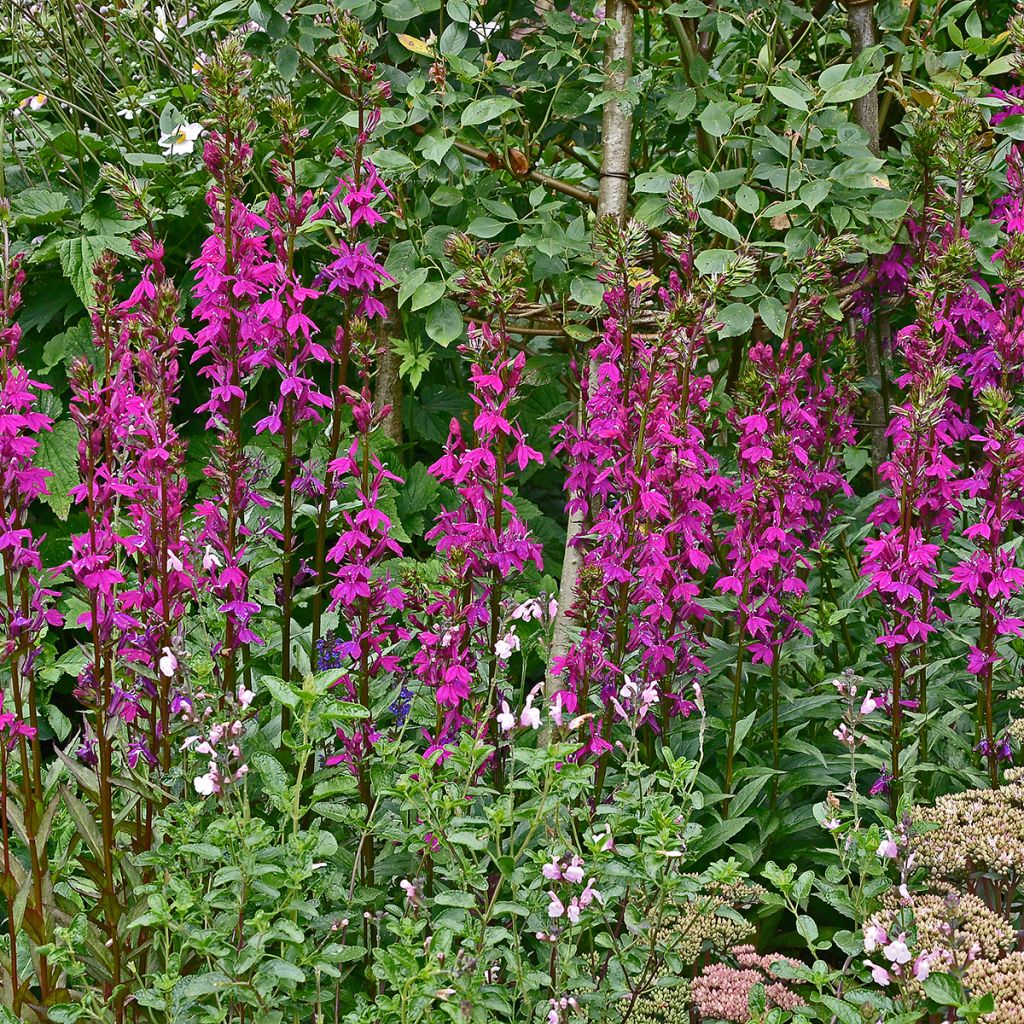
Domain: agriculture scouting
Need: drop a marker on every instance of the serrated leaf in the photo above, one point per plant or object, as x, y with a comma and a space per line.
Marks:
78, 257
58, 452
39, 206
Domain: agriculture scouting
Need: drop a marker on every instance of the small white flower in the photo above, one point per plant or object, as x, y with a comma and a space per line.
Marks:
897, 952
168, 663
174, 563
874, 937
129, 113
160, 28
574, 872
922, 967
555, 908
182, 140
530, 718
887, 849
506, 720
245, 696
206, 785
36, 102
506, 645
210, 559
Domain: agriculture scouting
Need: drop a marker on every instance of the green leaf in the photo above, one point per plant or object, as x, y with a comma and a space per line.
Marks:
772, 314
788, 97
280, 691
944, 989
427, 294
58, 452
287, 62
851, 89
78, 257
485, 227
444, 322
487, 109
39, 206
716, 118
738, 318
844, 1012
807, 929
84, 822
719, 224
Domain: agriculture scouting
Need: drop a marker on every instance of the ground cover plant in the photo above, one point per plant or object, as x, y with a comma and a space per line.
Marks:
511, 512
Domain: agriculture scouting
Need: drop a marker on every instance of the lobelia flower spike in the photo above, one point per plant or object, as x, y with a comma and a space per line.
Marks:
163, 555
294, 352
640, 474
989, 573
25, 616
355, 275
791, 432
365, 597
922, 491
237, 280
484, 539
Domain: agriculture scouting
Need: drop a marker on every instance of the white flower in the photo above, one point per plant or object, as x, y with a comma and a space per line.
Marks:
182, 139
168, 663
505, 647
878, 973
160, 28
897, 952
128, 113
552, 870
206, 785
874, 937
574, 872
530, 718
36, 102
922, 967
506, 720
831, 824
887, 849
555, 908
174, 563
210, 559
527, 610
245, 696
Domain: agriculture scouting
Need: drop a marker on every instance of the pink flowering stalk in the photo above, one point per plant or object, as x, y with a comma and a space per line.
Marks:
155, 471
238, 282
105, 407
922, 496
484, 541
295, 352
364, 595
989, 573
355, 275
792, 429
25, 615
642, 479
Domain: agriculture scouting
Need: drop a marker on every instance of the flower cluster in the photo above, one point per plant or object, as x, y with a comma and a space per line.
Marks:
722, 992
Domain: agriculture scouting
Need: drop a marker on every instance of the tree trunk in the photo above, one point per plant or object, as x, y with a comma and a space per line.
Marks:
613, 196
861, 24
